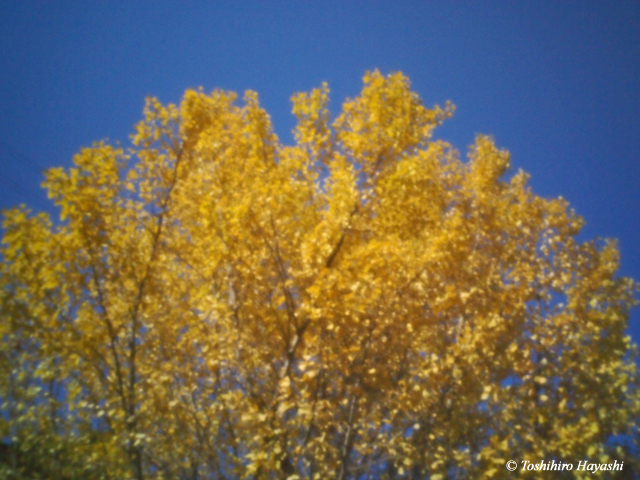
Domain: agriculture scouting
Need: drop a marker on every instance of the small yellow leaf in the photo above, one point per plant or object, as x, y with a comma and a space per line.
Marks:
540, 380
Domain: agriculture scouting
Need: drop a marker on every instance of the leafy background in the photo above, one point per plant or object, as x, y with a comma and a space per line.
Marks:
556, 83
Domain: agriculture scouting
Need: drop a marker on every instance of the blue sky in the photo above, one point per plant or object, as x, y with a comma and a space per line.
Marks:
556, 83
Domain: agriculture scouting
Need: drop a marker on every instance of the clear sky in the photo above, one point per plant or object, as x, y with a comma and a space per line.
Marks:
556, 83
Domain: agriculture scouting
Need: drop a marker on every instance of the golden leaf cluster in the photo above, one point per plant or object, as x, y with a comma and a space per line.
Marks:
213, 304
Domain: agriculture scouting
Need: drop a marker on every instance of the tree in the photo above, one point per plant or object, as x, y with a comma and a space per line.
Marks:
363, 304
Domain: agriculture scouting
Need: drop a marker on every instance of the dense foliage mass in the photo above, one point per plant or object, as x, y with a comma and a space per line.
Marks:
212, 304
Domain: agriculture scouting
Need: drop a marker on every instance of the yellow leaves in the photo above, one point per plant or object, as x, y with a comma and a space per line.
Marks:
311, 110
285, 386
209, 284
86, 193
486, 167
486, 393
562, 405
540, 380
385, 121
465, 295
491, 472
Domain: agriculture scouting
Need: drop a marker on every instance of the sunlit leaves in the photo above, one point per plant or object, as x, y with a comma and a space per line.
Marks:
214, 304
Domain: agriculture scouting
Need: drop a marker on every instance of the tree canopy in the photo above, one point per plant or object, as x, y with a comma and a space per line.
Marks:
213, 304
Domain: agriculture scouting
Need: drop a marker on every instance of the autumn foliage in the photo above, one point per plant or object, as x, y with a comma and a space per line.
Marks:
212, 304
